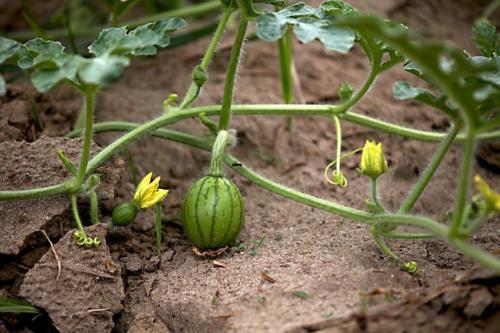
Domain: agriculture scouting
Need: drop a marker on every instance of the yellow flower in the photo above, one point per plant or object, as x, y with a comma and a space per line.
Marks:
491, 198
147, 193
373, 162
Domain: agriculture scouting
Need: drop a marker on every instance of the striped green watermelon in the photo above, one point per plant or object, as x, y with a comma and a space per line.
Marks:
213, 212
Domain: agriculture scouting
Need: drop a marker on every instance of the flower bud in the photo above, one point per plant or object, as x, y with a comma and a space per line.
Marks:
124, 214
199, 76
373, 163
490, 197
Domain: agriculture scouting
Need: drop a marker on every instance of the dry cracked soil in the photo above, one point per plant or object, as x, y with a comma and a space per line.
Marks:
296, 269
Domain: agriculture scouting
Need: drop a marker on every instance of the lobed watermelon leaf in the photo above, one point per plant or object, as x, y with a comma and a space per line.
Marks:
49, 64
465, 82
486, 37
309, 24
403, 91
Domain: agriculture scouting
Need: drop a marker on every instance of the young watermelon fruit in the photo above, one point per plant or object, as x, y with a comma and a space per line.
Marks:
213, 213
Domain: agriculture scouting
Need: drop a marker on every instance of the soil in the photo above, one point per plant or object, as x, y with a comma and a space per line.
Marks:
90, 271
297, 268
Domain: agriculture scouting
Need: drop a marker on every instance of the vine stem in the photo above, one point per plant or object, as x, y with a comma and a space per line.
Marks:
157, 211
429, 172
193, 90
285, 58
90, 93
306, 110
137, 131
76, 215
437, 229
218, 148
338, 131
407, 235
463, 182
227, 98
35, 193
375, 199
379, 240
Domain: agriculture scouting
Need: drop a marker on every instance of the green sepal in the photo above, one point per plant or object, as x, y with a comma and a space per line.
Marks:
66, 162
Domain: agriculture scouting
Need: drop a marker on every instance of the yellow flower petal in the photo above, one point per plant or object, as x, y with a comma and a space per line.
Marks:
142, 186
148, 192
491, 197
156, 198
373, 162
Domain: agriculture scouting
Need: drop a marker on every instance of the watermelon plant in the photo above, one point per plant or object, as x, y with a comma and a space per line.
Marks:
465, 88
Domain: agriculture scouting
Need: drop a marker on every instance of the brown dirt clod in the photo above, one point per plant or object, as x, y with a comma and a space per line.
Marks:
89, 291
36, 165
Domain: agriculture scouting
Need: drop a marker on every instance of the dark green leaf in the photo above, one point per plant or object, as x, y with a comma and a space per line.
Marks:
45, 78
309, 25
103, 70
49, 64
271, 27
277, 3
296, 10
8, 305
336, 38
140, 41
44, 47
446, 67
108, 41
492, 77
336, 7
486, 38
8, 48
403, 91
167, 25
3, 86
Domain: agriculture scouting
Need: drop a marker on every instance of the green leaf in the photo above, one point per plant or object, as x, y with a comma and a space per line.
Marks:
271, 27
46, 78
49, 64
336, 7
140, 41
309, 24
486, 37
44, 47
345, 92
403, 91
454, 79
108, 41
9, 305
41, 53
492, 77
277, 3
8, 48
3, 86
103, 70
333, 37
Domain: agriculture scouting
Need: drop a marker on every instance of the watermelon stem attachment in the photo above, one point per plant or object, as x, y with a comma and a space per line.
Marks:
218, 148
